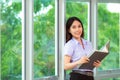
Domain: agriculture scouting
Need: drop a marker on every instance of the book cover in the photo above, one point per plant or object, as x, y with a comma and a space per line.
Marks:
96, 55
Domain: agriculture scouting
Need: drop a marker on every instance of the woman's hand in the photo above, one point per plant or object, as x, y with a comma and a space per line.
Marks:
83, 60
97, 63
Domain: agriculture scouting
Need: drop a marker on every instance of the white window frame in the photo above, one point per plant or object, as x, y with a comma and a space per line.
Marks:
112, 73
27, 41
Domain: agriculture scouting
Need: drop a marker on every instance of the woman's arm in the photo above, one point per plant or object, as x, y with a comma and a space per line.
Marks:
68, 65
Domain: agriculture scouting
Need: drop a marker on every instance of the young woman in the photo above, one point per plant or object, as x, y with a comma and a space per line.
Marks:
76, 51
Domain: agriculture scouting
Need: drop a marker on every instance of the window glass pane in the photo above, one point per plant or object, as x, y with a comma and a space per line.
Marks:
109, 29
44, 38
10, 39
80, 10
111, 79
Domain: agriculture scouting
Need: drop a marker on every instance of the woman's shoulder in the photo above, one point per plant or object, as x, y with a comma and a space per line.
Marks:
70, 43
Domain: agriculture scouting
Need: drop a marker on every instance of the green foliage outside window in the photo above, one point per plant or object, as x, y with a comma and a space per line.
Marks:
44, 37
11, 41
108, 29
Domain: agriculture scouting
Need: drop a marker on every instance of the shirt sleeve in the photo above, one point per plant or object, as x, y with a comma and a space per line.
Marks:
68, 49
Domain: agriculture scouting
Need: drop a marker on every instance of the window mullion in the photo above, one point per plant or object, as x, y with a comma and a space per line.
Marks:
27, 38
61, 20
93, 22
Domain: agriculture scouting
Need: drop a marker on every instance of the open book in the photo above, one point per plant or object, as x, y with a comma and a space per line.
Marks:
96, 55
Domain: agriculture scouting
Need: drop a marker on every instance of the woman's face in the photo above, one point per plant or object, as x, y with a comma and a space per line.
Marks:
76, 29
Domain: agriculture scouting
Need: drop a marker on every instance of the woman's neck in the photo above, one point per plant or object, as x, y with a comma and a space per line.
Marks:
81, 42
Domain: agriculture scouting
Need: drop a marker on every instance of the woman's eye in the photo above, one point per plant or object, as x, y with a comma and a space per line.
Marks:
79, 26
73, 27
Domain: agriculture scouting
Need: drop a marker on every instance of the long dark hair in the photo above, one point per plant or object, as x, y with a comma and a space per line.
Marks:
68, 25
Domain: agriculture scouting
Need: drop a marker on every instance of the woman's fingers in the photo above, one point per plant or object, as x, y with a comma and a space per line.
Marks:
97, 63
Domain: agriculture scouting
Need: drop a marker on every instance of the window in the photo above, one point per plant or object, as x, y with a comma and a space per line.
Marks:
108, 20
108, 29
10, 40
34, 52
45, 40
40, 33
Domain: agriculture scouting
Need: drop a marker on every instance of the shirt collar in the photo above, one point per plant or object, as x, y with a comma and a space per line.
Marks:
76, 42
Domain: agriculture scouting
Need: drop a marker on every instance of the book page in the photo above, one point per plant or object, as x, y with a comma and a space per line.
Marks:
105, 47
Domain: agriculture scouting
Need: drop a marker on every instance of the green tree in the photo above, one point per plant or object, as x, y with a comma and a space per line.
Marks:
10, 40
44, 39
44, 36
108, 29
